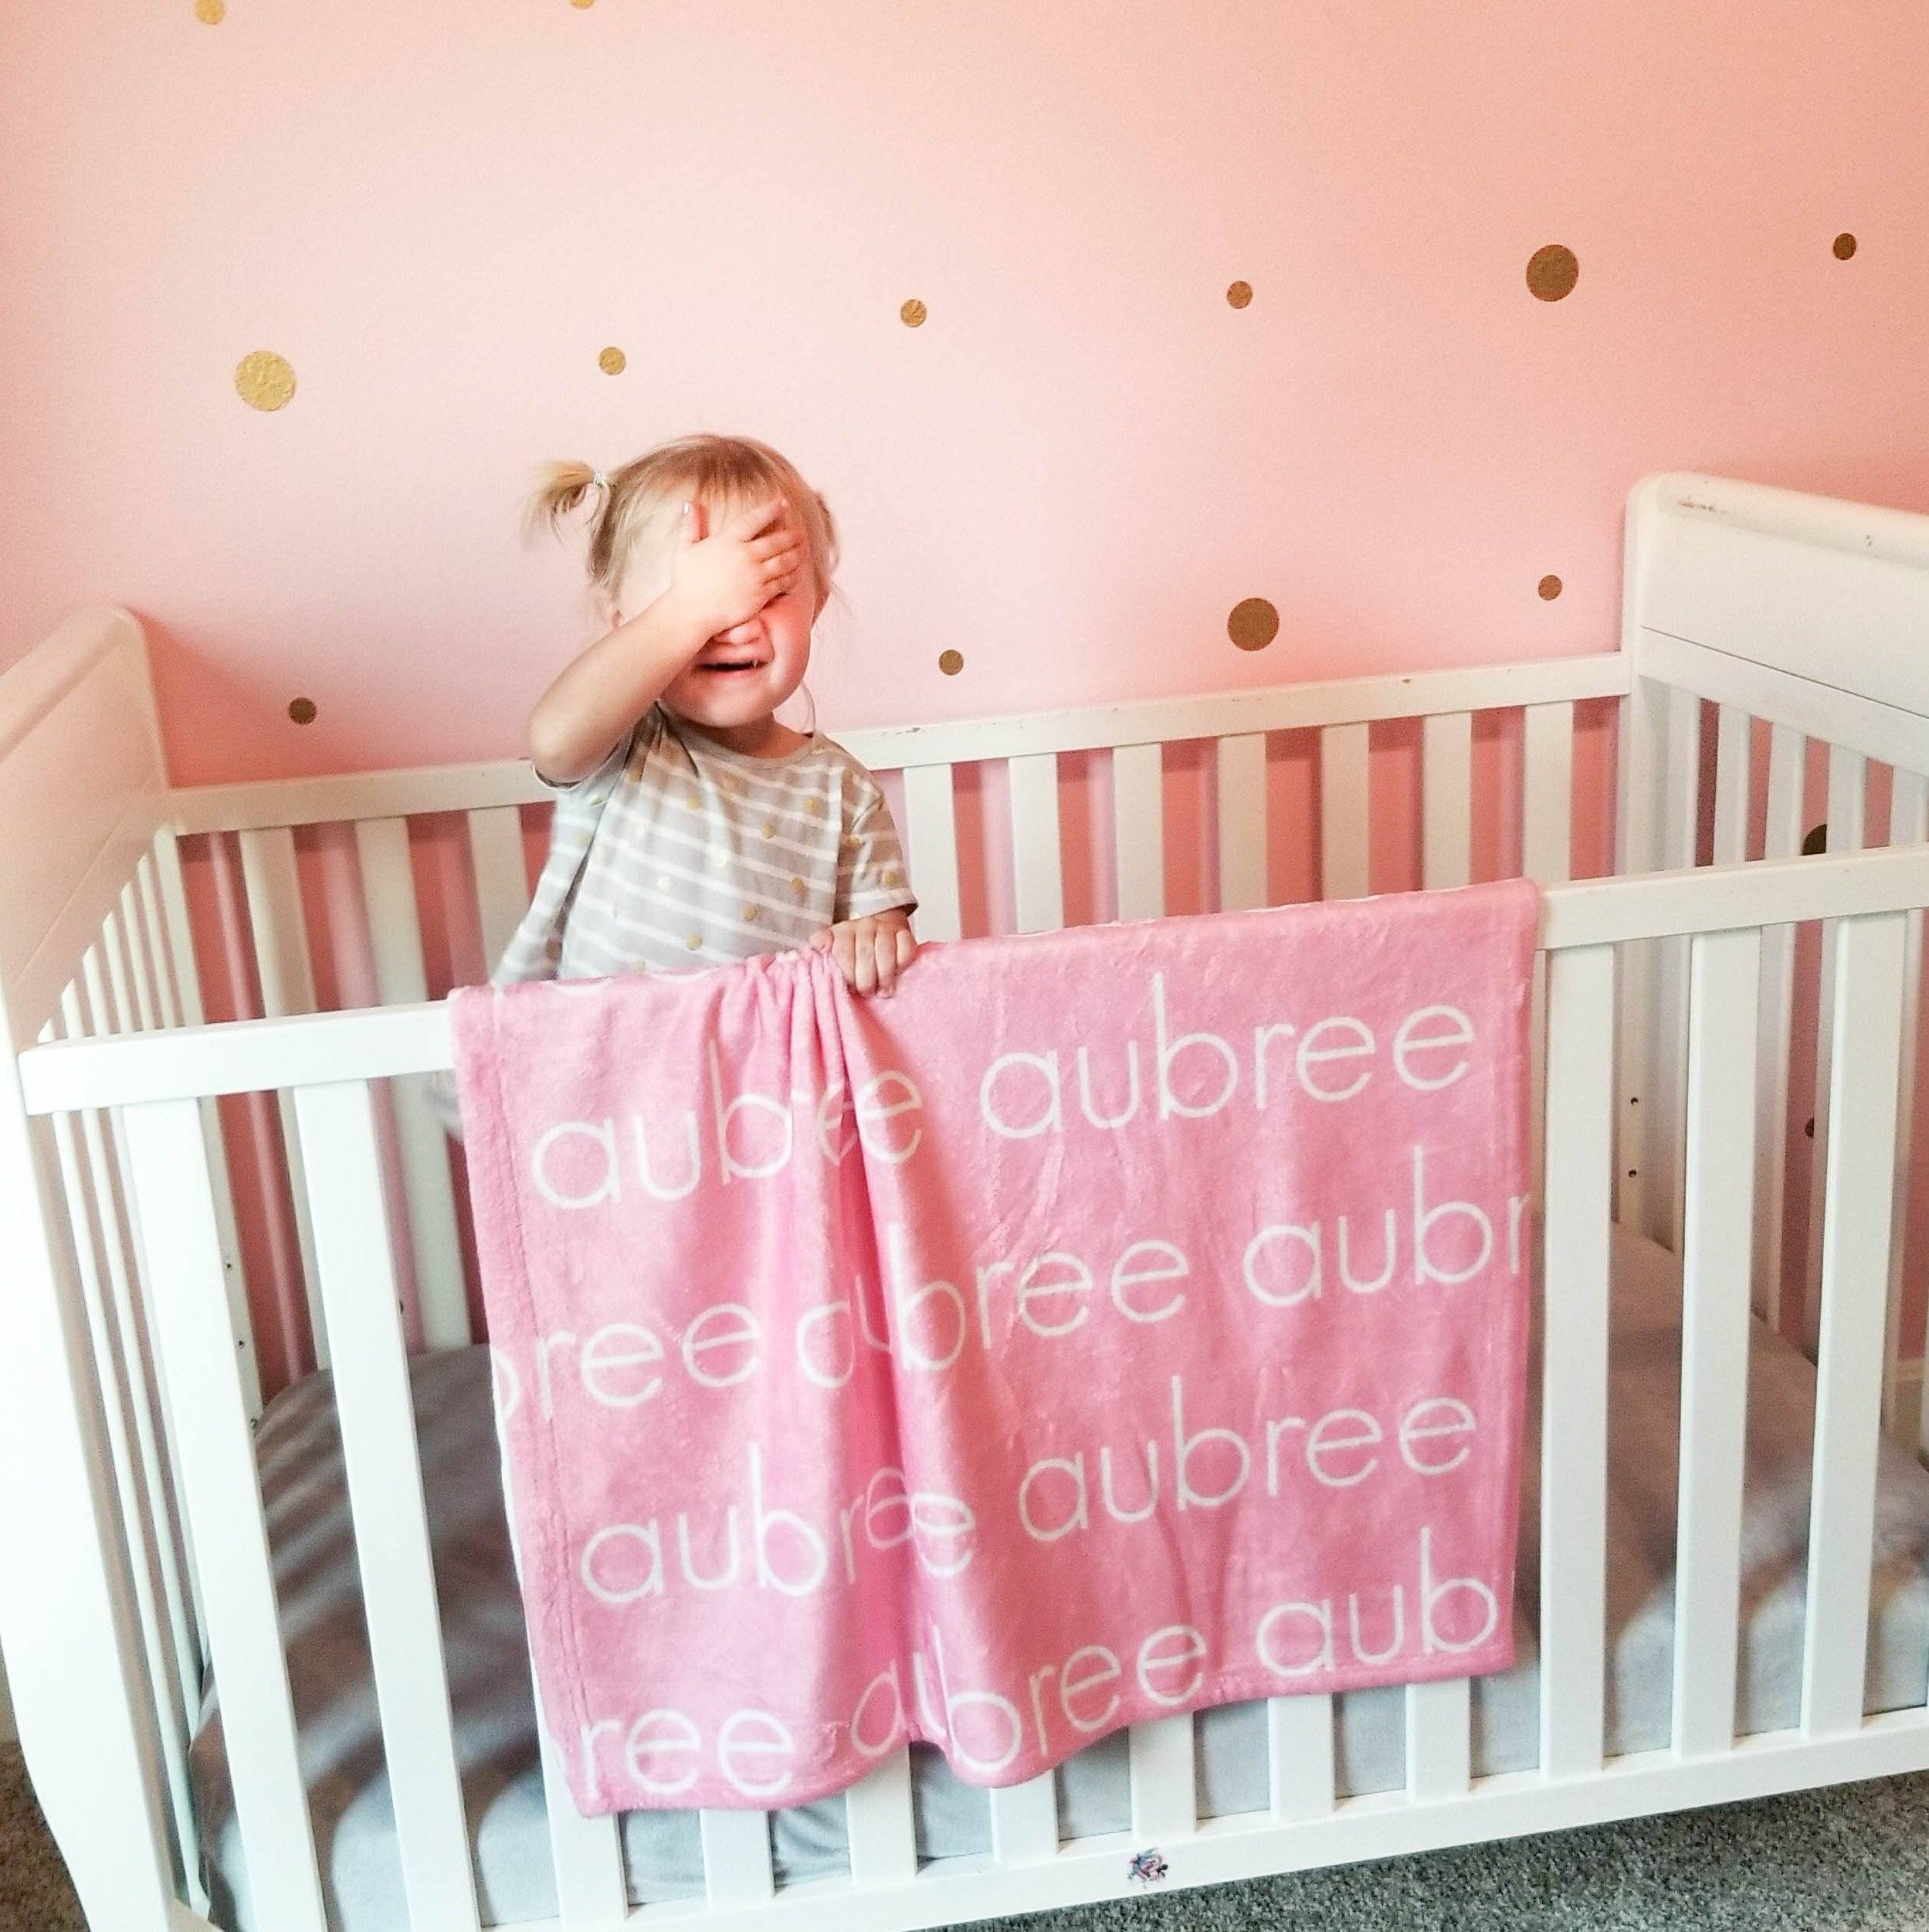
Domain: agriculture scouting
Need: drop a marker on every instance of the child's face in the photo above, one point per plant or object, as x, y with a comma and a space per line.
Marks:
769, 652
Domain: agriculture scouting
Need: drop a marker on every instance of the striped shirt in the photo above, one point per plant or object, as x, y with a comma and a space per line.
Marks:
677, 853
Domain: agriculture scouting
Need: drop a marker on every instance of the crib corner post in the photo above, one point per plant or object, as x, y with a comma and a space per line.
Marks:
81, 1702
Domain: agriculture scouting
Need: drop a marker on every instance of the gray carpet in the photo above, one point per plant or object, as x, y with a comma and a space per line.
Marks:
1852, 1859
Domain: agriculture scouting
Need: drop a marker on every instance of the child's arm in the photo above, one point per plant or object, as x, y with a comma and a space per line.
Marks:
716, 583
871, 937
872, 951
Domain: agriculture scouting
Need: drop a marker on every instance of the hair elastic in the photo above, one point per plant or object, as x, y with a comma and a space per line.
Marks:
598, 479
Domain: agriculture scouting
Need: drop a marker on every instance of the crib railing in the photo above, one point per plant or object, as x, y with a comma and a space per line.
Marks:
156, 1084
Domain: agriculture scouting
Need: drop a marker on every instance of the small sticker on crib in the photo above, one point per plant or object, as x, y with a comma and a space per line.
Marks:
1149, 1867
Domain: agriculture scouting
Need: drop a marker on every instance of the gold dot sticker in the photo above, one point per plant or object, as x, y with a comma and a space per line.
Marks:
912, 313
1552, 271
264, 380
1253, 625
1240, 294
814, 807
950, 662
798, 888
302, 710
752, 913
1550, 588
768, 829
1844, 247
612, 362
211, 13
580, 4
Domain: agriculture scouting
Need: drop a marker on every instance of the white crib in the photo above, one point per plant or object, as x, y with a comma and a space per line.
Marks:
130, 1511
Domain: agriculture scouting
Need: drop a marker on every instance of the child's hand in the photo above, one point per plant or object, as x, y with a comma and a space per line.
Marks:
725, 580
872, 952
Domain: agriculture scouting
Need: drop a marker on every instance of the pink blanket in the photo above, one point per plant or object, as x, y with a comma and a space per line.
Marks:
1107, 1324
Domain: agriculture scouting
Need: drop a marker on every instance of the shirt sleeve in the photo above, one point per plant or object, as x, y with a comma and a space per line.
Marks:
871, 874
596, 784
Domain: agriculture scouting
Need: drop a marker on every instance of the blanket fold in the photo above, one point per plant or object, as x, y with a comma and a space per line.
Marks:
1108, 1323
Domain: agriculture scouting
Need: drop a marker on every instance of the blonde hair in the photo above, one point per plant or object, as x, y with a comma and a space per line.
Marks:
641, 501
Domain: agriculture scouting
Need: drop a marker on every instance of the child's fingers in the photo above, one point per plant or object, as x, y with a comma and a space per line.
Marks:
907, 947
864, 945
844, 950
820, 942
755, 518
887, 960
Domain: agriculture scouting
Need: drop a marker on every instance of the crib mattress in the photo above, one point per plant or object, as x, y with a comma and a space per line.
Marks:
304, 1492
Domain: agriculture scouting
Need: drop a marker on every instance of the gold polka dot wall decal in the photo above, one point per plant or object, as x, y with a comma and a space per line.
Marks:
912, 313
580, 4
1552, 271
1240, 294
1844, 247
302, 710
1550, 588
950, 662
211, 13
612, 362
264, 380
1253, 625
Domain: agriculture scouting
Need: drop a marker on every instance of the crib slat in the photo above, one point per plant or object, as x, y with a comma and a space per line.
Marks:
176, 1207
287, 977
1438, 1735
172, 1665
1164, 1794
592, 1892
384, 1464
1908, 826
1781, 839
930, 833
1025, 1820
1138, 829
1546, 827
158, 938
1344, 821
1241, 762
502, 876
134, 928
1725, 972
1298, 1748
1865, 1018
1848, 831
883, 1831
1735, 745
1446, 793
1574, 1388
395, 932
1038, 880
737, 1866
181, 951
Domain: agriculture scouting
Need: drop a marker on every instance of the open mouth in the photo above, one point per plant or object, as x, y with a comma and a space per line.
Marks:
732, 666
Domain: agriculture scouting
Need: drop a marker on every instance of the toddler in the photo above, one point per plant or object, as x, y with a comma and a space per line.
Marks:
691, 827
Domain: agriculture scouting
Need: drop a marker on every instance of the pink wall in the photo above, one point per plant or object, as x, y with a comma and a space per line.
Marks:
1082, 460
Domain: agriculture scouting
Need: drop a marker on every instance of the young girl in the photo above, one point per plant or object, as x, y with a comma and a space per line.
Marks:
691, 828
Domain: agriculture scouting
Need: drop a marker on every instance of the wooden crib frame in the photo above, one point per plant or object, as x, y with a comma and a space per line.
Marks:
129, 1509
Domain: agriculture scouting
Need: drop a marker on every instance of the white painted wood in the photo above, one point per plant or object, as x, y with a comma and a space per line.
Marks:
1344, 817
286, 972
1724, 975
155, 922
395, 931
1241, 767
502, 876
1865, 1018
1734, 757
117, 1377
1547, 831
930, 840
1299, 1739
140, 965
1438, 1740
176, 1206
737, 1865
1788, 756
1847, 823
1025, 1821
1901, 1408
1164, 1794
883, 1834
1138, 829
1038, 880
1575, 1387
592, 1891
1286, 707
343, 1172
1663, 1176
187, 979
1446, 799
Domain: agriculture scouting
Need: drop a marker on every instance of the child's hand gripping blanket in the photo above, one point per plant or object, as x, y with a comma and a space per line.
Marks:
1108, 1324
